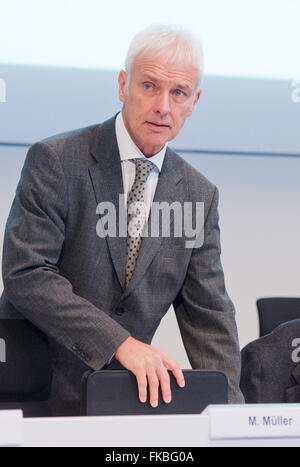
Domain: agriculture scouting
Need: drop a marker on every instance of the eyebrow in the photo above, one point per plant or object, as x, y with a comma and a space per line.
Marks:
184, 87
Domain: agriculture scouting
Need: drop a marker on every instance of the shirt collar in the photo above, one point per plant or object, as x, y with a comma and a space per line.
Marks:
129, 150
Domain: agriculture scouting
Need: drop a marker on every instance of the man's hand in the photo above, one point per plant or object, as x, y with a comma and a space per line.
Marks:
150, 366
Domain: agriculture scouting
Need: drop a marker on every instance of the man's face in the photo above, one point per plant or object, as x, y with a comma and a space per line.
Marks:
159, 98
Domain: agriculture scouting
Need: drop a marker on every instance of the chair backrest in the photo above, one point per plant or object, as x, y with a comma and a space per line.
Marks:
25, 365
275, 311
114, 392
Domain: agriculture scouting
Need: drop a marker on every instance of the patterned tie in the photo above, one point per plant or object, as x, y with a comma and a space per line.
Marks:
136, 213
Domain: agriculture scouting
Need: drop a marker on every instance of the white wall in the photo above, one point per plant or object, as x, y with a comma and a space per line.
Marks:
260, 225
234, 115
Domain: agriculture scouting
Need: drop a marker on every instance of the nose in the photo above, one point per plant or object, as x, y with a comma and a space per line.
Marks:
163, 104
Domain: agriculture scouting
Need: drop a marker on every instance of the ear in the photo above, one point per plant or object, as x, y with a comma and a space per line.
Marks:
122, 83
197, 97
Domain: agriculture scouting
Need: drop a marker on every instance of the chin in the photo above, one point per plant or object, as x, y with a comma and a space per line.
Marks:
158, 140
157, 146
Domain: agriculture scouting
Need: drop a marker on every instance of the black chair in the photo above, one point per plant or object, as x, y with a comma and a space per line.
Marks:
25, 368
115, 392
275, 311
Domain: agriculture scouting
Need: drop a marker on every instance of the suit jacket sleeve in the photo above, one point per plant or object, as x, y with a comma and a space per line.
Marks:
205, 313
34, 240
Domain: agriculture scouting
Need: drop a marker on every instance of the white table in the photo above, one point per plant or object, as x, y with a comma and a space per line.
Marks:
134, 431
170, 431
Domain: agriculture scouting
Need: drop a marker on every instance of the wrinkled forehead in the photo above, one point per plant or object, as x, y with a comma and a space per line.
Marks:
164, 65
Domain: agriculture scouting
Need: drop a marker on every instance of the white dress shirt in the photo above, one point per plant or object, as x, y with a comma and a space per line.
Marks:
129, 150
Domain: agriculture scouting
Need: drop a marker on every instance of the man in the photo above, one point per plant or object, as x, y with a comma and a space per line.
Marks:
100, 299
271, 366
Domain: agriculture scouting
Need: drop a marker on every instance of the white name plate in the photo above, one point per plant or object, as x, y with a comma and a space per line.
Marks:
11, 427
254, 421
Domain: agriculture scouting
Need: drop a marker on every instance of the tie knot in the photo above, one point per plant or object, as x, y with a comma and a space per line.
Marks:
143, 168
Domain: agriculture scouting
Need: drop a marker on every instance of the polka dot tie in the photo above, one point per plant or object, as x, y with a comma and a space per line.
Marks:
136, 213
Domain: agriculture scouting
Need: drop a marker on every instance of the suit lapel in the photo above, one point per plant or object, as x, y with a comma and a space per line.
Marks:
292, 394
106, 176
296, 373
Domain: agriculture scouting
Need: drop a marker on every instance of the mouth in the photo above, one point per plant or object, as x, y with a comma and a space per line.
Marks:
157, 125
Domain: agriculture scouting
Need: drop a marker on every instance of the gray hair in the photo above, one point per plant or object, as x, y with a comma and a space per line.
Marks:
186, 47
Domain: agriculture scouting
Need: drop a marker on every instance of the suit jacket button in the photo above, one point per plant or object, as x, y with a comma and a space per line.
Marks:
120, 311
87, 358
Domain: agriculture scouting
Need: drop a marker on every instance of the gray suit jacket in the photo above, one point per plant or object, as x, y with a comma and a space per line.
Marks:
71, 283
271, 367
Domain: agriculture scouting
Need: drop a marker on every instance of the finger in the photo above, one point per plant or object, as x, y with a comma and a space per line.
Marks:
153, 384
164, 380
173, 366
142, 386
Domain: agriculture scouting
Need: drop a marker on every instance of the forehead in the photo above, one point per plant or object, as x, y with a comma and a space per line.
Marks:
162, 68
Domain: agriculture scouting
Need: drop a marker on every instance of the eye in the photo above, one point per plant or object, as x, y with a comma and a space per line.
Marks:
148, 86
178, 93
